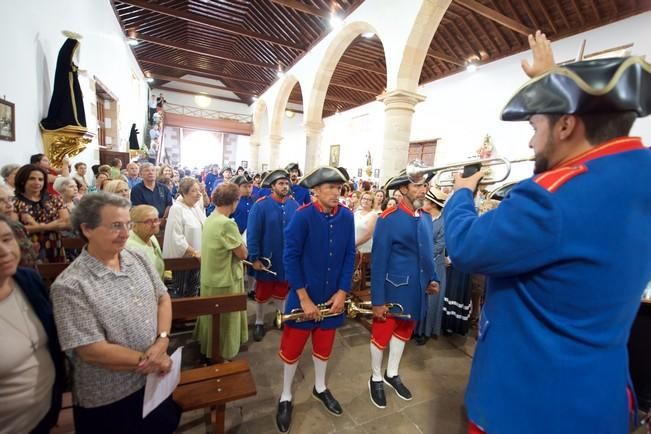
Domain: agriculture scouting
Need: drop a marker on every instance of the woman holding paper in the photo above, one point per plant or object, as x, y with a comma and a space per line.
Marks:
113, 315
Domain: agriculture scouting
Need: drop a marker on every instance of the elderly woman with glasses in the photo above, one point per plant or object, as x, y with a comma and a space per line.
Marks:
146, 225
113, 316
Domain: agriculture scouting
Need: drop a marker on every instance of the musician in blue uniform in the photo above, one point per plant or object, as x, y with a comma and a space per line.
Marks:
266, 239
319, 259
300, 193
241, 213
566, 253
402, 271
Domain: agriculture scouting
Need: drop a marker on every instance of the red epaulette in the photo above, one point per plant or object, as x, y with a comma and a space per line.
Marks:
554, 179
305, 205
388, 211
261, 199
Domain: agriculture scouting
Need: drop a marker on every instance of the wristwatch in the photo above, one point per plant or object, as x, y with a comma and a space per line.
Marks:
163, 335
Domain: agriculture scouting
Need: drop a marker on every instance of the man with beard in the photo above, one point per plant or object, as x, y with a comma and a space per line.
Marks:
402, 271
265, 238
319, 259
565, 273
300, 193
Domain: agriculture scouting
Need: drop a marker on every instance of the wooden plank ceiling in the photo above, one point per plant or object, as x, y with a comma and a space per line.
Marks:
244, 43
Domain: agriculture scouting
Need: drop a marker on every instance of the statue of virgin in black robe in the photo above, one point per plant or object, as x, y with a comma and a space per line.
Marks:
66, 105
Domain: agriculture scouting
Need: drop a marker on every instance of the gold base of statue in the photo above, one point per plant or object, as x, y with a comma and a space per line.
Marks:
69, 140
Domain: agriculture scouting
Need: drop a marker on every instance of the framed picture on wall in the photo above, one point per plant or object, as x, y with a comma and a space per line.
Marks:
245, 164
334, 155
265, 167
359, 173
376, 174
7, 121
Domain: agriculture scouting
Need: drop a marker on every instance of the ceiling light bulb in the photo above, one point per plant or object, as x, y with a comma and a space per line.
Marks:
255, 98
368, 35
133, 42
335, 21
280, 74
202, 100
290, 114
472, 67
150, 80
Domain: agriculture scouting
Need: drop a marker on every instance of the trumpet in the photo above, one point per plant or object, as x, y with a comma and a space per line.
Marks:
417, 171
365, 308
266, 265
351, 310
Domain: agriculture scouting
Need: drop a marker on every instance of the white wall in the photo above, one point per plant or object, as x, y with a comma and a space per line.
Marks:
463, 108
292, 149
31, 35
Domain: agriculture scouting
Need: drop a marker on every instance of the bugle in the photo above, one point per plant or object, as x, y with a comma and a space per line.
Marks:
299, 316
365, 308
266, 265
417, 171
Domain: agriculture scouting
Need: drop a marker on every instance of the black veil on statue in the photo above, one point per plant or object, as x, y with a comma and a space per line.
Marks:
66, 105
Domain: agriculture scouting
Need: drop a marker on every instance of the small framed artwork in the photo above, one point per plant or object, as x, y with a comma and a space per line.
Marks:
376, 173
334, 155
265, 167
7, 121
245, 164
359, 173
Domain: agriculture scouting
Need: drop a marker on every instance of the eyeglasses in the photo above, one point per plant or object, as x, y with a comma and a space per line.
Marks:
116, 227
149, 221
367, 198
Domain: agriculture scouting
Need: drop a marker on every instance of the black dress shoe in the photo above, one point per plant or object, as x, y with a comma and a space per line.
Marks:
328, 401
284, 416
421, 340
258, 332
397, 385
376, 390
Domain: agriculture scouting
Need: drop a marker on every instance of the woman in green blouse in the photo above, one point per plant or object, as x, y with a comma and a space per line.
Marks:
146, 225
222, 252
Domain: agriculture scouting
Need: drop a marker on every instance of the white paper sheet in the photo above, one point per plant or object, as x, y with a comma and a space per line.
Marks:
159, 388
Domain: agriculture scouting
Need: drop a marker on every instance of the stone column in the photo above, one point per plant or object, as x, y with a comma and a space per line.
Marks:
313, 135
399, 106
274, 151
254, 153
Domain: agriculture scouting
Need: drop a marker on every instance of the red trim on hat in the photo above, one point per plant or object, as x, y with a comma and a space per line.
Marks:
611, 147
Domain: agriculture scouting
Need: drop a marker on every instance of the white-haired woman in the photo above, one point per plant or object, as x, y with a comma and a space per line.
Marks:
113, 315
67, 189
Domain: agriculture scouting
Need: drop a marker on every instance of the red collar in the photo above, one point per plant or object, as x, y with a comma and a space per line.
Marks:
611, 147
277, 199
405, 208
319, 208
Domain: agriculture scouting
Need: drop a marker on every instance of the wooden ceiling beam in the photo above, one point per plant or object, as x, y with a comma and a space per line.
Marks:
302, 7
491, 14
203, 72
355, 88
561, 13
480, 25
595, 11
530, 14
578, 12
209, 22
436, 54
547, 16
198, 83
187, 92
200, 51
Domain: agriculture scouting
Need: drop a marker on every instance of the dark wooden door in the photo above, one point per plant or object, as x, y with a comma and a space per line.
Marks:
423, 151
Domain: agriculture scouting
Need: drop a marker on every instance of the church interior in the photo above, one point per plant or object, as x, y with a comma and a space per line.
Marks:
206, 93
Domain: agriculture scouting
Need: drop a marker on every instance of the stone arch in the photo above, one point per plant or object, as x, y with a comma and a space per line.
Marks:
260, 118
427, 22
326, 69
259, 138
280, 104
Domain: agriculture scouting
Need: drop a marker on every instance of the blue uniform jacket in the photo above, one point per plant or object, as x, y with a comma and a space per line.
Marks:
567, 256
241, 213
301, 194
265, 236
402, 259
320, 257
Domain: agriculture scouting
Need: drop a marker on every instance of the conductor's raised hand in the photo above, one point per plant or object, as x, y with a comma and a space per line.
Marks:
543, 56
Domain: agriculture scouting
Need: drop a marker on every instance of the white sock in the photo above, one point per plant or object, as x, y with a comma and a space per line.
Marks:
376, 362
259, 313
280, 305
288, 378
319, 374
396, 347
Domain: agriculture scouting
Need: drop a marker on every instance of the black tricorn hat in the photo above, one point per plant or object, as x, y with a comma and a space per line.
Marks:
293, 166
618, 84
240, 180
274, 176
400, 179
322, 175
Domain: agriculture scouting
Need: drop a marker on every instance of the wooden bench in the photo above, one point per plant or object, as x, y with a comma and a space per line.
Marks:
215, 385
